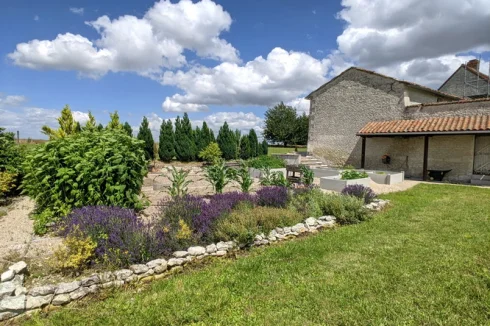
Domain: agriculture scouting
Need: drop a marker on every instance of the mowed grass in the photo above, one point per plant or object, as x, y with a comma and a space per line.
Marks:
284, 150
424, 261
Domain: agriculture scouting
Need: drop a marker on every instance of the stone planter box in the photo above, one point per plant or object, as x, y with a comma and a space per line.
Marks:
337, 184
256, 173
290, 159
387, 177
325, 172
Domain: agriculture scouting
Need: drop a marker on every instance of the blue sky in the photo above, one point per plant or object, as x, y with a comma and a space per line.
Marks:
160, 59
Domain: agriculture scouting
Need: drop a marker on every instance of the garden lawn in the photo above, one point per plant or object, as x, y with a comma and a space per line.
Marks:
424, 261
284, 150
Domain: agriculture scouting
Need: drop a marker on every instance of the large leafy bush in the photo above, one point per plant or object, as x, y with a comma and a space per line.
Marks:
347, 209
91, 168
121, 237
11, 158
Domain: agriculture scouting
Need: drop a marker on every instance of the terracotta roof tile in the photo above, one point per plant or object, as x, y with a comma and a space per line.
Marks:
437, 124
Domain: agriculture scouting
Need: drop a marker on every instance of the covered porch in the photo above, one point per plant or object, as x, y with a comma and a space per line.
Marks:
459, 146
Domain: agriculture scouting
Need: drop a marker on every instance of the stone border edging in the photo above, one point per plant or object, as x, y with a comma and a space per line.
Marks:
16, 300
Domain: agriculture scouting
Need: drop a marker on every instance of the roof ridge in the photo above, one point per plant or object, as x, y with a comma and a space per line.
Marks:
385, 76
462, 101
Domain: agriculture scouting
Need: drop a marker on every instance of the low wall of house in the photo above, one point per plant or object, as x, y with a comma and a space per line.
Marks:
454, 153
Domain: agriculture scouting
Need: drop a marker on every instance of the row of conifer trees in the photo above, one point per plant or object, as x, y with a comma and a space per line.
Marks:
179, 141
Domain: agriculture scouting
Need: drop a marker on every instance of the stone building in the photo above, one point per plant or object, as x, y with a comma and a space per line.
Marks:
360, 116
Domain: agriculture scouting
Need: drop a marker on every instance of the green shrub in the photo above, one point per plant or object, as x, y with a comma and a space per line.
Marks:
211, 153
347, 209
86, 169
246, 221
307, 202
74, 254
314, 202
7, 183
265, 161
352, 174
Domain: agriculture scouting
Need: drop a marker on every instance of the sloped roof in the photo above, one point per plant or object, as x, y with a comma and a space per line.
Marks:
435, 125
470, 69
424, 88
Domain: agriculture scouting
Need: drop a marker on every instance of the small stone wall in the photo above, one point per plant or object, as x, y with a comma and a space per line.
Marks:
16, 300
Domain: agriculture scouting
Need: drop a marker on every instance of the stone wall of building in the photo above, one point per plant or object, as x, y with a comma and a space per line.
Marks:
452, 152
346, 104
449, 109
455, 85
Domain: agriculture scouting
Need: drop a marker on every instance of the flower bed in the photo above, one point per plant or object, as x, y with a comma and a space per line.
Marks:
186, 228
16, 300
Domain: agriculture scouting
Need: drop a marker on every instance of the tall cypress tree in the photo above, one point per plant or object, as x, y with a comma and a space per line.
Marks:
254, 143
198, 141
227, 142
265, 147
114, 123
185, 147
100, 127
245, 150
127, 128
78, 128
166, 150
145, 135
206, 135
211, 136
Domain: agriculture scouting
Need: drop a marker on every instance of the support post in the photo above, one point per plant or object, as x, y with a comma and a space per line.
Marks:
363, 153
426, 155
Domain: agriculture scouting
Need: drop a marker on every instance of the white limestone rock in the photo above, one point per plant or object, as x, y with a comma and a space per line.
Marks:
79, 293
180, 254
19, 267
327, 218
139, 268
106, 277
6, 289
156, 263
67, 287
61, 299
7, 276
311, 221
123, 274
38, 301
220, 253
91, 280
211, 248
175, 262
20, 290
17, 303
42, 290
196, 251
299, 228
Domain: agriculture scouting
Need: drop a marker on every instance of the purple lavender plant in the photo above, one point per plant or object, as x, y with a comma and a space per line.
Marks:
122, 239
360, 192
272, 196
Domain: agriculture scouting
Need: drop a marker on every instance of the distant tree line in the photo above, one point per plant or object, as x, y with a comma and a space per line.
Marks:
183, 143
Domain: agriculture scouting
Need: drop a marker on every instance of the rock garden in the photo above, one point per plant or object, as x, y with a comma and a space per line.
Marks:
115, 225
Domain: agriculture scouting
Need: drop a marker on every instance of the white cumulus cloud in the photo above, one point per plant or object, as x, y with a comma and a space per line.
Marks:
281, 76
10, 101
146, 45
417, 40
